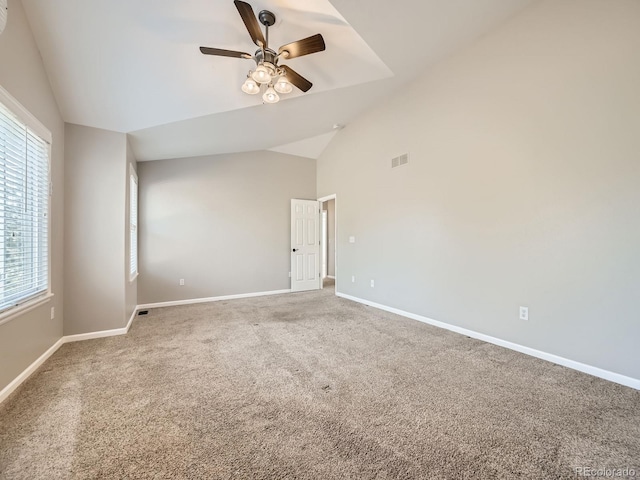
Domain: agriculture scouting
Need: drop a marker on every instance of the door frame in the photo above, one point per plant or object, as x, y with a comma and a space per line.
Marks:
324, 248
326, 198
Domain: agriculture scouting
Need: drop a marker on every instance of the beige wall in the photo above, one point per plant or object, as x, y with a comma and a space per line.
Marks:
95, 229
220, 222
522, 187
22, 74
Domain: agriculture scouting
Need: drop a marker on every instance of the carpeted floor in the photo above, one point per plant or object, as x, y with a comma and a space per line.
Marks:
308, 386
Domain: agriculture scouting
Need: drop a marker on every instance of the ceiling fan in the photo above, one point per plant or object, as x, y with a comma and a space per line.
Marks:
277, 78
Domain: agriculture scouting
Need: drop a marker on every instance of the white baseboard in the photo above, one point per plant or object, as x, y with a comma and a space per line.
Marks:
331, 277
211, 299
103, 333
565, 362
133, 315
8, 390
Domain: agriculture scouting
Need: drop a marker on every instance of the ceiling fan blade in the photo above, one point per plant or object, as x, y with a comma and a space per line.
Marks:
224, 53
251, 22
296, 79
302, 47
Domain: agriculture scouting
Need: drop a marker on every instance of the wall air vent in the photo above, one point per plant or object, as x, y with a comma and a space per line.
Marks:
401, 160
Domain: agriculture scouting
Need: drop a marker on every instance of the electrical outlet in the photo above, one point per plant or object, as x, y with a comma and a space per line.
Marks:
53, 313
352, 239
353, 279
372, 283
182, 282
524, 313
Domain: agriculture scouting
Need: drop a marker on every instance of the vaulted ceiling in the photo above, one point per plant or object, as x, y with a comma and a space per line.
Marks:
135, 67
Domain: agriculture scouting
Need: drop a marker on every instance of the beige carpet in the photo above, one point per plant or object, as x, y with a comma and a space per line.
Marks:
308, 386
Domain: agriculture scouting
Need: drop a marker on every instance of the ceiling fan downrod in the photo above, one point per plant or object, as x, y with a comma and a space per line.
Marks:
267, 19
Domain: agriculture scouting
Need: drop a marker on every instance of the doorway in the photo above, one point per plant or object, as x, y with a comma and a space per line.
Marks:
328, 243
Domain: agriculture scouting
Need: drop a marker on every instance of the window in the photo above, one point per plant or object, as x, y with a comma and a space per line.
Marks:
24, 206
133, 225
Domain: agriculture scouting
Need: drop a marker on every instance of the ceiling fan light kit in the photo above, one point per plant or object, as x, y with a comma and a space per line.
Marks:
277, 78
263, 73
250, 86
270, 96
283, 85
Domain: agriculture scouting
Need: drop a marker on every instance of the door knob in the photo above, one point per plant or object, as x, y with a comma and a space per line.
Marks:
295, 249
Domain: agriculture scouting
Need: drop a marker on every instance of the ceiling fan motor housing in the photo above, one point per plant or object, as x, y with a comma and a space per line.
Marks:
269, 56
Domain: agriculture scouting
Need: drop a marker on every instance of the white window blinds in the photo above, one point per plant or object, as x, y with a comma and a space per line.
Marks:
24, 208
133, 226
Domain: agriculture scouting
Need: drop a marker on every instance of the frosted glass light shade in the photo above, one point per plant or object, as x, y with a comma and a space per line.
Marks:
250, 86
283, 85
262, 74
270, 96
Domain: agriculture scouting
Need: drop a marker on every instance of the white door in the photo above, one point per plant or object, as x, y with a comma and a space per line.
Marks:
305, 245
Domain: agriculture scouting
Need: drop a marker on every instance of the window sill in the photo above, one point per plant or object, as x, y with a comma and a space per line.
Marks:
19, 310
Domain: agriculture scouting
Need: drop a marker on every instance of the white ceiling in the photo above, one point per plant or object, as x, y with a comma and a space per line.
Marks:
134, 66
